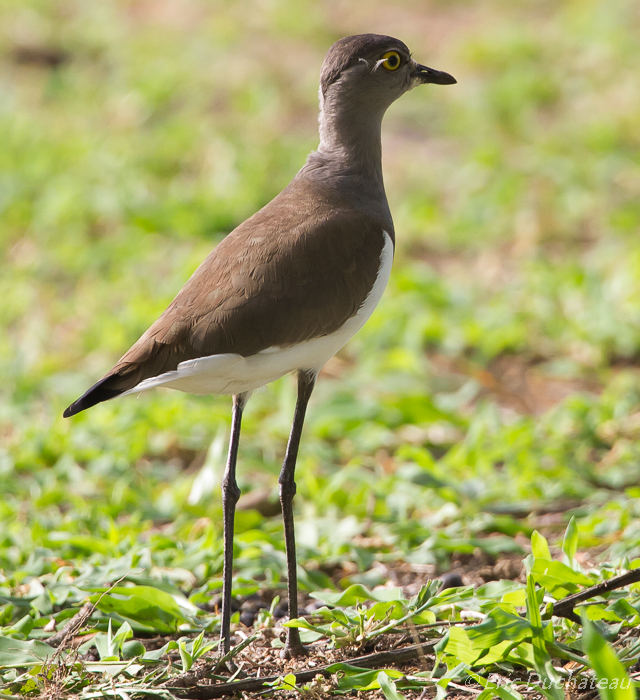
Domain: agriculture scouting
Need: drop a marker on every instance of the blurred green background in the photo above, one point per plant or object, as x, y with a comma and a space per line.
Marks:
497, 380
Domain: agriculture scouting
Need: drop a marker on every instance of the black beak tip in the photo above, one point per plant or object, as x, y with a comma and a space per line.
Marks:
437, 77
448, 80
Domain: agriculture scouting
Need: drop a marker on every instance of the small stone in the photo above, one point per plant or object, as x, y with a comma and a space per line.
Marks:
451, 579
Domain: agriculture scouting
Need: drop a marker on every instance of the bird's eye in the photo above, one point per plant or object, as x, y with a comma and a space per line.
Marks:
391, 60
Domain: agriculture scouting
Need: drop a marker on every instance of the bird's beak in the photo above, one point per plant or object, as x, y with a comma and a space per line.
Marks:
430, 75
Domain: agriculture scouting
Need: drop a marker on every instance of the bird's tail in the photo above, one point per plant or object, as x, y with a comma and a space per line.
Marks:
121, 378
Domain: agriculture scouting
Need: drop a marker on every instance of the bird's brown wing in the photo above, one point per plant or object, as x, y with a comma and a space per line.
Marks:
280, 278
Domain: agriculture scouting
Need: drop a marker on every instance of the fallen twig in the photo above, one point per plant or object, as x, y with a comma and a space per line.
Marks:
565, 607
59, 639
248, 685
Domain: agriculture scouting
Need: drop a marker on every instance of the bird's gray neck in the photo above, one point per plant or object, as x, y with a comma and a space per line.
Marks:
349, 157
350, 136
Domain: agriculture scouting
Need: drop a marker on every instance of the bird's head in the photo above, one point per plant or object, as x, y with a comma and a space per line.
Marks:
374, 70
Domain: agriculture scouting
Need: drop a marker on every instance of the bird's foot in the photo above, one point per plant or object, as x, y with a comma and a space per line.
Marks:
291, 651
293, 646
226, 667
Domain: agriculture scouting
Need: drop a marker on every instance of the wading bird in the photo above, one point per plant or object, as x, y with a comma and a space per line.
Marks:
287, 288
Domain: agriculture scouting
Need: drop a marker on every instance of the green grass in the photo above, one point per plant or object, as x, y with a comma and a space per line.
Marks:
498, 376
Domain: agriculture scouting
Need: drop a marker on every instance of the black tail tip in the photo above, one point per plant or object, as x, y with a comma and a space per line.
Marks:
78, 406
97, 394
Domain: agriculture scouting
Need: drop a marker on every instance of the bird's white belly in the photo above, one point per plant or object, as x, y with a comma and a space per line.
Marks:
234, 374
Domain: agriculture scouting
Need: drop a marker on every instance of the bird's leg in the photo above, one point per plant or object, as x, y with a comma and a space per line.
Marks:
306, 382
230, 496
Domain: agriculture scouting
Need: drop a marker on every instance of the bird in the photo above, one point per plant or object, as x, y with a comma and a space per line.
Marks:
287, 288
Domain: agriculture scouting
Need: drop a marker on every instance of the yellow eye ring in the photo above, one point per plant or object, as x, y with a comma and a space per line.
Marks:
391, 60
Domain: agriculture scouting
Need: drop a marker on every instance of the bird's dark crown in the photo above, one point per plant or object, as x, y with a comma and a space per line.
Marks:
348, 51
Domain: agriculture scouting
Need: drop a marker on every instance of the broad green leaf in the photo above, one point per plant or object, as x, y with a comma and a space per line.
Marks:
388, 687
613, 681
14, 653
125, 632
457, 673
494, 589
23, 626
197, 643
556, 576
112, 668
542, 659
516, 598
496, 653
310, 636
199, 648
623, 609
498, 626
342, 618
453, 595
132, 649
159, 653
427, 591
498, 544
379, 611
103, 646
287, 682
461, 647
355, 678
109, 645
358, 593
500, 630
426, 617
599, 612
523, 655
570, 541
84, 543
301, 623
504, 692
185, 656
145, 605
44, 603
540, 546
